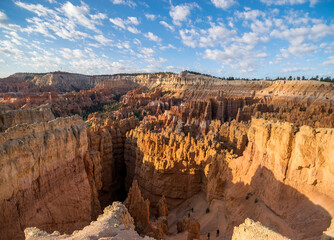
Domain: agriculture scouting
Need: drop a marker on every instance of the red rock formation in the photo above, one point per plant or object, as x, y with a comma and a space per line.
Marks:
108, 139
162, 207
12, 118
190, 225
116, 222
138, 208
43, 181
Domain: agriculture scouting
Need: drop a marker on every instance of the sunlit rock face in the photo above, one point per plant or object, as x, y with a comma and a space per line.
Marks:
255, 230
247, 149
114, 223
44, 182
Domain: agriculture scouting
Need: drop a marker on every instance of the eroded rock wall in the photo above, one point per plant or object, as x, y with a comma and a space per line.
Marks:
14, 117
276, 173
108, 140
44, 182
114, 223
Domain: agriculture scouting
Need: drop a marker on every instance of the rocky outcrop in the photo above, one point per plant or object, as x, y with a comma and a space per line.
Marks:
286, 171
255, 230
140, 210
272, 178
12, 118
108, 138
329, 233
114, 223
191, 225
44, 181
162, 207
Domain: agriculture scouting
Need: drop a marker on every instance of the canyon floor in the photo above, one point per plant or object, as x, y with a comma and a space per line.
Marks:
165, 156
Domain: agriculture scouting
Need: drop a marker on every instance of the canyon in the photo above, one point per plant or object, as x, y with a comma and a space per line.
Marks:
187, 154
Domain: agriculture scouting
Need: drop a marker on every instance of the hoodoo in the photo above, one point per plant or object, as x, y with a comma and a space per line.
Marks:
190, 156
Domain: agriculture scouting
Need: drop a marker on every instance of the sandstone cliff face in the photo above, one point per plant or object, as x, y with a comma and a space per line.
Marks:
138, 207
108, 139
161, 161
140, 210
44, 179
114, 223
278, 171
287, 170
12, 118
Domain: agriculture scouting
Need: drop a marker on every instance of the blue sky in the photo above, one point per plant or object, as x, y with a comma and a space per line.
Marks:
249, 38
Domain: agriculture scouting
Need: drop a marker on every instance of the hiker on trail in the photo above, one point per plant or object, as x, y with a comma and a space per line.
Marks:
217, 232
192, 209
208, 236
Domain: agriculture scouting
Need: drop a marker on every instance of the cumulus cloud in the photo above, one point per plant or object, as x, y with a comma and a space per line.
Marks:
152, 37
151, 17
330, 61
238, 56
128, 24
4, 24
180, 13
166, 25
11, 50
297, 69
62, 22
189, 37
124, 2
79, 14
38, 9
250, 14
213, 36
103, 40
72, 53
224, 4
169, 46
288, 2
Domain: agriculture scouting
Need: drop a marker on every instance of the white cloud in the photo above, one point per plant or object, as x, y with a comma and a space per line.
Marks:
189, 37
133, 20
118, 22
11, 50
102, 40
166, 25
180, 13
224, 4
78, 14
72, 53
216, 34
133, 30
151, 17
38, 9
330, 61
128, 24
288, 2
298, 50
297, 69
98, 16
152, 37
238, 56
63, 21
4, 24
124, 2
299, 35
213, 36
169, 46
250, 14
